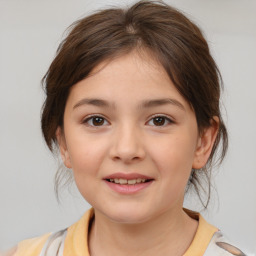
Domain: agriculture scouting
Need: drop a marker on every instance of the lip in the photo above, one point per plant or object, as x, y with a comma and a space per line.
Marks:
128, 189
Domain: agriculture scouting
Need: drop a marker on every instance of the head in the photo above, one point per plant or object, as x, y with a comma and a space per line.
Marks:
165, 34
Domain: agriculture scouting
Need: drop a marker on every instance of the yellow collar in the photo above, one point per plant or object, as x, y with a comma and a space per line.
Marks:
76, 243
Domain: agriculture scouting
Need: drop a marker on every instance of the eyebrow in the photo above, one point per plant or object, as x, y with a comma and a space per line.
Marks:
94, 102
144, 104
160, 102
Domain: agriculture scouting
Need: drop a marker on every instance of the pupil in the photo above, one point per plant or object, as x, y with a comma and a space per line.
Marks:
159, 121
98, 121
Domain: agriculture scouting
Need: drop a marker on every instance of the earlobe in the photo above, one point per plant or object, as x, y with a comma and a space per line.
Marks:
205, 144
63, 148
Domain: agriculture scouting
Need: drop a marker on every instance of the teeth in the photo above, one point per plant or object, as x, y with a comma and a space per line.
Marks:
122, 181
125, 181
131, 182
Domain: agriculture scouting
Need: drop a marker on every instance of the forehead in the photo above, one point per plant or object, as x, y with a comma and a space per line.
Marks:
133, 76
142, 64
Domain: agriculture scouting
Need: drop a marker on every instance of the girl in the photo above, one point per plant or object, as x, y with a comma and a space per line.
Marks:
132, 104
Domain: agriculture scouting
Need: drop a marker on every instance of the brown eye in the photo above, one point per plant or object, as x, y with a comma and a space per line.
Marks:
160, 121
95, 121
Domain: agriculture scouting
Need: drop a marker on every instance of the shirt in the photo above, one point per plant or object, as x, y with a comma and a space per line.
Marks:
73, 241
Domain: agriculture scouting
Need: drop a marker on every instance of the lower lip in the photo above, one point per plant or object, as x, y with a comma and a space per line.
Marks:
128, 189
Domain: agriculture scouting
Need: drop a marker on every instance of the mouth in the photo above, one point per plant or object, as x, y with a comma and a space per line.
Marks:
131, 183
128, 181
128, 178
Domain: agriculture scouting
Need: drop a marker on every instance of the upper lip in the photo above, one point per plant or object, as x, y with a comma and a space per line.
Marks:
127, 176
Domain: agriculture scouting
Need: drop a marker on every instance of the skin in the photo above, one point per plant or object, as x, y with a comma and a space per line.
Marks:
128, 139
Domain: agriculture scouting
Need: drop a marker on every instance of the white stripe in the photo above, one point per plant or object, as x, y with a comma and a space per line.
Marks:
54, 244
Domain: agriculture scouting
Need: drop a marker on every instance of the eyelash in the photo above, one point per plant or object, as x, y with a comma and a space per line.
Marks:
90, 119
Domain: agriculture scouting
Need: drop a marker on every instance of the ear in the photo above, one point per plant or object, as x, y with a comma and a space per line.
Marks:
205, 143
63, 148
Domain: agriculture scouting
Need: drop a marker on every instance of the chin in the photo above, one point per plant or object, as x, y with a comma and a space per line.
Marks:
128, 215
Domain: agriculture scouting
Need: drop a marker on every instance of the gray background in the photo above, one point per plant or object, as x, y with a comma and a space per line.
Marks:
30, 32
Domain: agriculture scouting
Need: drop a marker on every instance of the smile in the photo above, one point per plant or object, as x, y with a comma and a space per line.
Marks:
131, 183
126, 181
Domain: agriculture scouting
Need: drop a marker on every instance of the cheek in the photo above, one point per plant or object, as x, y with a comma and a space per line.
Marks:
86, 159
86, 154
174, 156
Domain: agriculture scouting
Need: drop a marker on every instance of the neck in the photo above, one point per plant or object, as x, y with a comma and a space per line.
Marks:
170, 233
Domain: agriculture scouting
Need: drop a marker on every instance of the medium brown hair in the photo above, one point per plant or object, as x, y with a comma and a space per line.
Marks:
175, 41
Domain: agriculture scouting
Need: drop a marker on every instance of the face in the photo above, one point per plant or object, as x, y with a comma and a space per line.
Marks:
131, 140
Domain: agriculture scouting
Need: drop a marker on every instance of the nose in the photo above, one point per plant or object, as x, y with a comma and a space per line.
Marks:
127, 145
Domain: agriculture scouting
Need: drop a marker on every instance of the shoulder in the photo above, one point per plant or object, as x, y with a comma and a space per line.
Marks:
11, 252
74, 236
219, 245
29, 247
209, 240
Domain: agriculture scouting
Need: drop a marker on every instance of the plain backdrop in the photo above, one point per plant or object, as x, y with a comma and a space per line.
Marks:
30, 31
